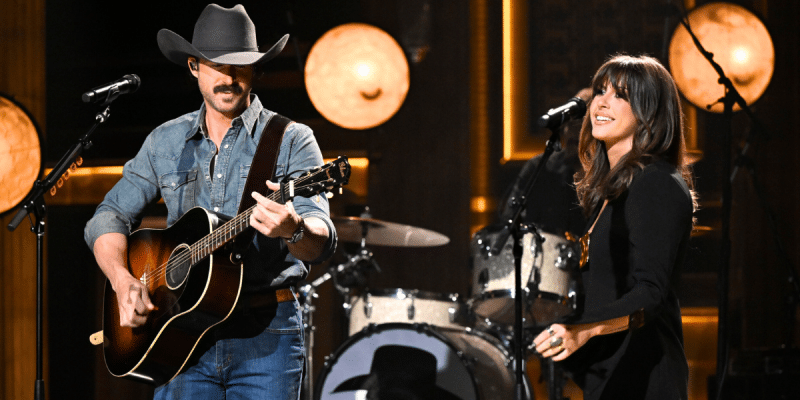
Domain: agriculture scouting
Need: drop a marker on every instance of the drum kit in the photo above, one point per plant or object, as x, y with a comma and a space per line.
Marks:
409, 343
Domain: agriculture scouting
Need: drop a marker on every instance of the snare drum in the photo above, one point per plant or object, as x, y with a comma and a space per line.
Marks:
408, 306
549, 268
432, 362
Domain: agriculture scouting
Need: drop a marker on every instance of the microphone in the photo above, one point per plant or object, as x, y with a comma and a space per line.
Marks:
108, 92
574, 108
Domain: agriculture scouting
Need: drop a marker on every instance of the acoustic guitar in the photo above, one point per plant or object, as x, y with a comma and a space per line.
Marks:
193, 276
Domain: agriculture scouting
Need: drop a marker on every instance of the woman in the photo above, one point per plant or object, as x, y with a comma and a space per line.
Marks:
626, 341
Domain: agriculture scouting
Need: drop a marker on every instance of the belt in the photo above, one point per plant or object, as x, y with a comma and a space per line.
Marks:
269, 298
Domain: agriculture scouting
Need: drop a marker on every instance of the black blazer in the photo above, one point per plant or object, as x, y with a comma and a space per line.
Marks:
636, 250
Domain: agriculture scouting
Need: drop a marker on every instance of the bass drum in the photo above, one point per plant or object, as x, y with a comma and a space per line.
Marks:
418, 360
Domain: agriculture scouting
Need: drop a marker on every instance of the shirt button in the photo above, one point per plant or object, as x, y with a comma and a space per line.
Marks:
173, 184
219, 175
225, 147
216, 209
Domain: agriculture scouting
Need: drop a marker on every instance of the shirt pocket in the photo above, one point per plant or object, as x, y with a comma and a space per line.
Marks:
179, 190
244, 170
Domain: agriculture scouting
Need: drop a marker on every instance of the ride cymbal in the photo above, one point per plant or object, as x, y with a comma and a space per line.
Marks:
383, 233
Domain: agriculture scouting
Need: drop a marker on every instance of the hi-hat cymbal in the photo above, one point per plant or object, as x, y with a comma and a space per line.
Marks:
382, 233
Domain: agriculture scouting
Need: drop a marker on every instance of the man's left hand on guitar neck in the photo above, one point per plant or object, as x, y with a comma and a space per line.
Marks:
277, 220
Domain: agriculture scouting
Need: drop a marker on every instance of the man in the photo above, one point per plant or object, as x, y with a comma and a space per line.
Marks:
203, 159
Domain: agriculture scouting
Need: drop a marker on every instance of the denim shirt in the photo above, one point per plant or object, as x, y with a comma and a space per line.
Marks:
175, 164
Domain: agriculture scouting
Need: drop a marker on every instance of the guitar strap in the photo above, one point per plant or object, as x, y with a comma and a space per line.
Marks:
262, 168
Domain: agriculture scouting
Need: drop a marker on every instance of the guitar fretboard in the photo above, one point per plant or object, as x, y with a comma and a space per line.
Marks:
229, 230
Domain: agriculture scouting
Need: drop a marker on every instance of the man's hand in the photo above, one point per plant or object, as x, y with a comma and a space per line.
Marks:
133, 301
273, 219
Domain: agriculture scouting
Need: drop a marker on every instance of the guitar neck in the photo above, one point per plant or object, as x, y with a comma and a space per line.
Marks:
229, 230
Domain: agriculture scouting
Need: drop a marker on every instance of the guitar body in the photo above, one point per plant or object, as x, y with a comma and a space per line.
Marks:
190, 298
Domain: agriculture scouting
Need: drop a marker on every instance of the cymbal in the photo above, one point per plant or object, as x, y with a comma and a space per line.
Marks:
382, 233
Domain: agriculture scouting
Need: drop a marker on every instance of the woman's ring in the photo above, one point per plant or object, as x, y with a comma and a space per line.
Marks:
551, 331
556, 342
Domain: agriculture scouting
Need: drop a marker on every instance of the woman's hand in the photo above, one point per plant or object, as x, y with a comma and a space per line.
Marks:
560, 341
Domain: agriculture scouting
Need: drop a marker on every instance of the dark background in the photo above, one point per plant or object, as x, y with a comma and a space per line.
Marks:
420, 162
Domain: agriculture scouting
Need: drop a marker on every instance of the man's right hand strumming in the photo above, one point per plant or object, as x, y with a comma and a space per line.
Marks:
110, 251
133, 301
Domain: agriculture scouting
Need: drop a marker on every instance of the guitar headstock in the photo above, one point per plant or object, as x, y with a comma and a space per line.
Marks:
326, 178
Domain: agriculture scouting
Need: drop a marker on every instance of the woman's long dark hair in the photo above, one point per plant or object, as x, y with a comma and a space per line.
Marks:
654, 100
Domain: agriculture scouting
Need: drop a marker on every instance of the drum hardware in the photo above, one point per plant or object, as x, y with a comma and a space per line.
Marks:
412, 309
346, 307
566, 256
368, 307
452, 312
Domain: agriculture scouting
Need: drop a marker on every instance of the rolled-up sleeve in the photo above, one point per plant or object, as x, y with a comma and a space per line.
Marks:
122, 206
303, 155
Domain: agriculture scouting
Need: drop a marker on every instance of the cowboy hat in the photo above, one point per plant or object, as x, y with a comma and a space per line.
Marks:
221, 35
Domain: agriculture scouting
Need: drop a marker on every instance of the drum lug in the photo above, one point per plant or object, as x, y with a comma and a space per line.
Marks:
347, 307
567, 257
483, 279
367, 306
412, 309
328, 360
573, 297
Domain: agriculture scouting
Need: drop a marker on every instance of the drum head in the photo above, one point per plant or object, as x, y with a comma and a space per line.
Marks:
396, 358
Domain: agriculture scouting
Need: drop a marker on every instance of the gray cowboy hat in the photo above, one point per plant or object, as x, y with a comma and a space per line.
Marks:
221, 35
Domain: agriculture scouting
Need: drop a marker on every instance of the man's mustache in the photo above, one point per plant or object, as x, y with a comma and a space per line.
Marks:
235, 89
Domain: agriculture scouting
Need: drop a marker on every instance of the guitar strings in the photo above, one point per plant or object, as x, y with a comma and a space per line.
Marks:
206, 243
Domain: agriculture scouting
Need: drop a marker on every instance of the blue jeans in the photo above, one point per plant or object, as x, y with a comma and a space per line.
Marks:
254, 355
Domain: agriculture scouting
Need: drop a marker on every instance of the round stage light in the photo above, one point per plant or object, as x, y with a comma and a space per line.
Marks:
20, 153
357, 76
741, 45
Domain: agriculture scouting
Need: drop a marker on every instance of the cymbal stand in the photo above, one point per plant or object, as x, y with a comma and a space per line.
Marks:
307, 293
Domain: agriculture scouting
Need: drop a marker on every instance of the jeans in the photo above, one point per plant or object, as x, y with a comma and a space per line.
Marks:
257, 354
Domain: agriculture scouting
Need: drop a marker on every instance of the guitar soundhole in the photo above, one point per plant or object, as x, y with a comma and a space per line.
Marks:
178, 266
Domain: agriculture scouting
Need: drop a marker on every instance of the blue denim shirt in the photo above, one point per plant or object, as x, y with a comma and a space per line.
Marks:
174, 163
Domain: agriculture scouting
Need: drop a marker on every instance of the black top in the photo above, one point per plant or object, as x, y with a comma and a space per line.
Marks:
635, 253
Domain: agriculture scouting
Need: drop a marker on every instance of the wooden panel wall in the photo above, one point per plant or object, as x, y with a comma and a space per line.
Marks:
22, 71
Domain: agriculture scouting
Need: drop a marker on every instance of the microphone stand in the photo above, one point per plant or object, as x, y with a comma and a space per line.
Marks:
730, 98
514, 228
34, 204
